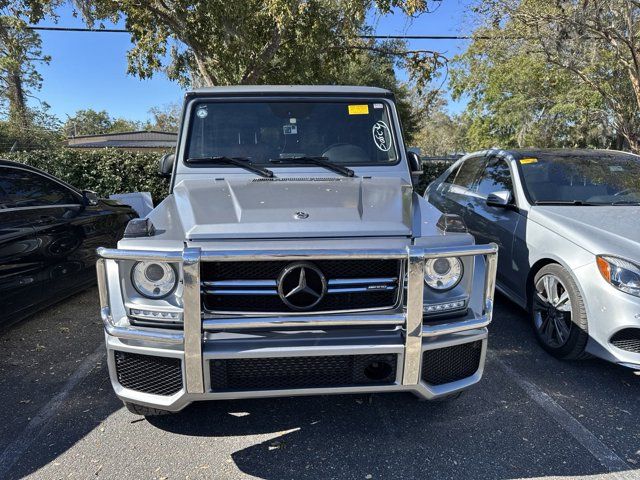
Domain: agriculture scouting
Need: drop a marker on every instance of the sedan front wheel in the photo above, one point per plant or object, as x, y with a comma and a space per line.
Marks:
558, 313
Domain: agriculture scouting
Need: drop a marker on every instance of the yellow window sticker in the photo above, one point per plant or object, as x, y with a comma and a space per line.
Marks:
527, 161
358, 109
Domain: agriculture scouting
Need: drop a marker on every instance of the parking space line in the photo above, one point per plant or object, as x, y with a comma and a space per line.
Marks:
607, 457
22, 442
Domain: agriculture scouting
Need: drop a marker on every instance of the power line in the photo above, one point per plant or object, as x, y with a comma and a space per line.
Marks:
79, 29
372, 37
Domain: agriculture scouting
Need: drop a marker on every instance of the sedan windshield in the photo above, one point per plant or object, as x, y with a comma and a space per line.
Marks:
339, 132
591, 178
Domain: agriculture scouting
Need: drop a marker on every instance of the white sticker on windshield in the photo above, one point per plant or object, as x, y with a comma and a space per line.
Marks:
382, 136
616, 168
378, 106
290, 129
202, 112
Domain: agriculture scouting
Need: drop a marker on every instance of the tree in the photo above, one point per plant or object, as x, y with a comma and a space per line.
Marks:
216, 42
20, 51
165, 118
92, 122
518, 99
441, 134
594, 44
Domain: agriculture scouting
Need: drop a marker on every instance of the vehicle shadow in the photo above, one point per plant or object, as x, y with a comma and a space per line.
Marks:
47, 406
493, 431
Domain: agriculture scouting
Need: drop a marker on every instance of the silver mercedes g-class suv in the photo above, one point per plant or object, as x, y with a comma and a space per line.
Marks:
293, 257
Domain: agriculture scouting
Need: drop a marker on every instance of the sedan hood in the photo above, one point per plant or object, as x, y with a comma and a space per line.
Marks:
293, 208
611, 230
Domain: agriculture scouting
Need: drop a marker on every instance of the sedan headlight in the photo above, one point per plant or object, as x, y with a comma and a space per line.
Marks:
154, 279
443, 273
620, 273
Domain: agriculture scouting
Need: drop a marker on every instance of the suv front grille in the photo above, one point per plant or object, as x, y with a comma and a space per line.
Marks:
302, 372
450, 364
627, 339
252, 287
149, 373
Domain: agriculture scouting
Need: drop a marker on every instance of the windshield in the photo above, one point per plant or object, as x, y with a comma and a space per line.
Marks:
343, 132
590, 178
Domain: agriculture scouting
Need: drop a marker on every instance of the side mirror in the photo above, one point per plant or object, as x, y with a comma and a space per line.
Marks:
500, 199
165, 168
415, 165
89, 197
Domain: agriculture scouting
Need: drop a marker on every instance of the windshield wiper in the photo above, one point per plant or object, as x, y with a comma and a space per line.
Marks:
241, 162
578, 203
321, 161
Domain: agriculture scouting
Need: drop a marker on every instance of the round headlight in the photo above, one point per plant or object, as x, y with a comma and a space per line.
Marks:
443, 273
153, 279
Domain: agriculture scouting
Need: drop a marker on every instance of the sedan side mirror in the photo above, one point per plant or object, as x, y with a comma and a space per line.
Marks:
165, 168
415, 164
500, 199
89, 198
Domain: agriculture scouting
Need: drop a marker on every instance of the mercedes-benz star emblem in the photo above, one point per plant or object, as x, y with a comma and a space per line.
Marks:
301, 215
301, 286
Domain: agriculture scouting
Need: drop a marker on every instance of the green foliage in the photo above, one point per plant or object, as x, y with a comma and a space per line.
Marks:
518, 99
561, 73
440, 134
431, 171
216, 42
104, 171
165, 118
92, 122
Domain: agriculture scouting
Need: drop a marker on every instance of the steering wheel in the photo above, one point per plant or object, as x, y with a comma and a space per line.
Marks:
334, 145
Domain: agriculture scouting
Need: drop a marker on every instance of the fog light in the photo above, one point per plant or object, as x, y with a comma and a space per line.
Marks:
155, 315
444, 307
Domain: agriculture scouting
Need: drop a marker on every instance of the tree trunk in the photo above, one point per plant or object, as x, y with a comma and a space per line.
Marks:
17, 101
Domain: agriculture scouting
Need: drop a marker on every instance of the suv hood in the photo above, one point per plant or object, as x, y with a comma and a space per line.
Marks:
293, 208
611, 230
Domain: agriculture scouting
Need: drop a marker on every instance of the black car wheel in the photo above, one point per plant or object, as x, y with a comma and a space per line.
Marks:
558, 313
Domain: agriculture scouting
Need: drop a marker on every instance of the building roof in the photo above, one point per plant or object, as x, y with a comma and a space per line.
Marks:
292, 90
138, 139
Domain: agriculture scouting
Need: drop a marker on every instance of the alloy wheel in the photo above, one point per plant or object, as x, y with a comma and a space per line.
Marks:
552, 311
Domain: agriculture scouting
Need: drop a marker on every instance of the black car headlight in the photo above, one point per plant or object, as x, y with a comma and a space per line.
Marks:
620, 273
154, 279
443, 273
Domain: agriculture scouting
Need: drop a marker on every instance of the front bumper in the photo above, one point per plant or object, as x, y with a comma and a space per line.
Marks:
611, 314
419, 358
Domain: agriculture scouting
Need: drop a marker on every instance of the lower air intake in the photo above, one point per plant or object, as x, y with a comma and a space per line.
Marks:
281, 373
450, 364
627, 339
148, 373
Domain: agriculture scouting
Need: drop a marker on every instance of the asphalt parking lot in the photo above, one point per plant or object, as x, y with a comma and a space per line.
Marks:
530, 417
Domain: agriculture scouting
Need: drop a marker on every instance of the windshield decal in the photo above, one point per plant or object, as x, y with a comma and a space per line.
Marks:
382, 136
202, 112
528, 161
358, 109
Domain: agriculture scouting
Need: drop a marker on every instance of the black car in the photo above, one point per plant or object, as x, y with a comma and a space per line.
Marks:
49, 232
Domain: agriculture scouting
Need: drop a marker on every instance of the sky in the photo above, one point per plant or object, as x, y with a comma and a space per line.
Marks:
89, 70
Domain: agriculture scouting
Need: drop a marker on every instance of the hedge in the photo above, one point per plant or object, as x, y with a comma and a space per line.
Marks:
108, 171
430, 172
104, 171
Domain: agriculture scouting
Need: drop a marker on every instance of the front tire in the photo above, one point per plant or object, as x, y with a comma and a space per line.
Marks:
558, 314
